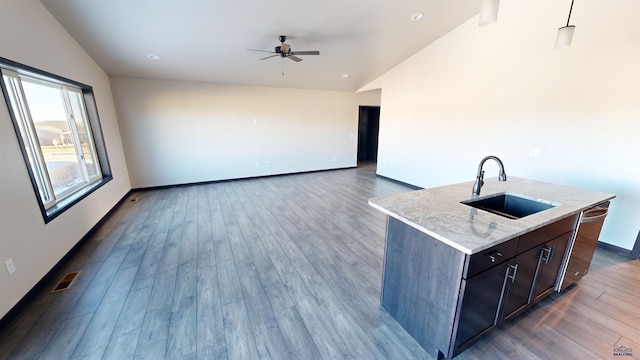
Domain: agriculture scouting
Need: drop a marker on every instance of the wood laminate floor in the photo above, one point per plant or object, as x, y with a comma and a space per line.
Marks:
284, 267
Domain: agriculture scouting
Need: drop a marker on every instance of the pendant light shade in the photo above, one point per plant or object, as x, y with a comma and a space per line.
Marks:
489, 12
565, 33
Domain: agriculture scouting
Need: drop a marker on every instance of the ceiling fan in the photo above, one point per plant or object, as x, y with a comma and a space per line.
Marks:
284, 51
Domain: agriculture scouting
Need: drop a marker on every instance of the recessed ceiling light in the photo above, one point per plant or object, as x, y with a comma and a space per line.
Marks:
344, 76
153, 57
417, 16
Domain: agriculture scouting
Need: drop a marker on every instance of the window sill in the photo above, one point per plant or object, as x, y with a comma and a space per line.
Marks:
64, 205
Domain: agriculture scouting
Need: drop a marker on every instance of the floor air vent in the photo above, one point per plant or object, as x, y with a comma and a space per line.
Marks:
134, 199
66, 282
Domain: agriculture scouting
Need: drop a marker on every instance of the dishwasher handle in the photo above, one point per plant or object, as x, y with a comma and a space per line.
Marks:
593, 215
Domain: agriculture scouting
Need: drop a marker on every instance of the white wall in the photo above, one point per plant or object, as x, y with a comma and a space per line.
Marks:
505, 90
184, 132
31, 36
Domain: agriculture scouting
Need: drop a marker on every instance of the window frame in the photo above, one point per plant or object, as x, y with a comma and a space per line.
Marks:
50, 209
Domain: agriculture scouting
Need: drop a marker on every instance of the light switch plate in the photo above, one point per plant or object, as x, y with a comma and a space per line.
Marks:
11, 268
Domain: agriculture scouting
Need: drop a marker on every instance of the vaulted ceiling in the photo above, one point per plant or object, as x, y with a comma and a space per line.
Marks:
206, 41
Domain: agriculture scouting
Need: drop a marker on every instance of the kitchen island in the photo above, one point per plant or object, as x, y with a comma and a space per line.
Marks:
452, 272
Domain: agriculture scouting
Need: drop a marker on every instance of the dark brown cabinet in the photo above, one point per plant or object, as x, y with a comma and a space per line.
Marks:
532, 276
549, 261
518, 286
480, 304
502, 292
447, 300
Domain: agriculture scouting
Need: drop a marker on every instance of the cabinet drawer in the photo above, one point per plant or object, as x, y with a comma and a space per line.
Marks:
545, 233
488, 258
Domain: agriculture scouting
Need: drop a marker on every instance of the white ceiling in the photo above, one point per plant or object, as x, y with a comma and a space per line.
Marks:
204, 40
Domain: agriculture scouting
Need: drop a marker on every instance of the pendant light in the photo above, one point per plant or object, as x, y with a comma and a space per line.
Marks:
489, 12
565, 33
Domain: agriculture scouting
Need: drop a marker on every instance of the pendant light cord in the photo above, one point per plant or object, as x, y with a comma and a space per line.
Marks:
571, 8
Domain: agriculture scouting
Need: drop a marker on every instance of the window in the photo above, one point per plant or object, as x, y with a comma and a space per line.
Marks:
58, 129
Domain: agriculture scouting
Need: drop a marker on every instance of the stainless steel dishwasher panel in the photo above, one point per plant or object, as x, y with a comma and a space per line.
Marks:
583, 244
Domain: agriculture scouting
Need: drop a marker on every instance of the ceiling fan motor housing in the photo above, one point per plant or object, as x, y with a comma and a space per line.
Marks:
279, 51
284, 50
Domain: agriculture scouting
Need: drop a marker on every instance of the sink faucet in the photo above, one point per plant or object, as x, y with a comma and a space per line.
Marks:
480, 177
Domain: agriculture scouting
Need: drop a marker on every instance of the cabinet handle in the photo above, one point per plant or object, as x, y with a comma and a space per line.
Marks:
493, 256
546, 254
515, 271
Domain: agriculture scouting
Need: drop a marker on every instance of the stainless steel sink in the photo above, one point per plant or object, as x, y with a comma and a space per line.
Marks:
509, 205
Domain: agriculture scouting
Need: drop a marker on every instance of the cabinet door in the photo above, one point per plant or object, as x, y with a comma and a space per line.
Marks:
480, 303
550, 260
519, 289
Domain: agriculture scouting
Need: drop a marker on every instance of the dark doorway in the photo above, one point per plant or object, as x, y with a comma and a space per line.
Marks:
368, 128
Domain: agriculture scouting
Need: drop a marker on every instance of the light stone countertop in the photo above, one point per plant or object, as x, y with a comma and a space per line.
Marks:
439, 213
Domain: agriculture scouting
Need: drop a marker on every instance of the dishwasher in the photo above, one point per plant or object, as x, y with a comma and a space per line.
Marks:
582, 246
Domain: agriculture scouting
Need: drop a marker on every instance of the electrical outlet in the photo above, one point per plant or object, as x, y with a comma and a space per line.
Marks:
11, 268
257, 164
267, 164
266, 121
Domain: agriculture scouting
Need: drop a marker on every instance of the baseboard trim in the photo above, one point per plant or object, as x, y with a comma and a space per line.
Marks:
24, 301
159, 187
399, 182
617, 250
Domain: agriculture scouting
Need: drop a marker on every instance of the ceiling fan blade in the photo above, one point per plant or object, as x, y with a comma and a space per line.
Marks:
315, 52
294, 58
261, 51
269, 57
